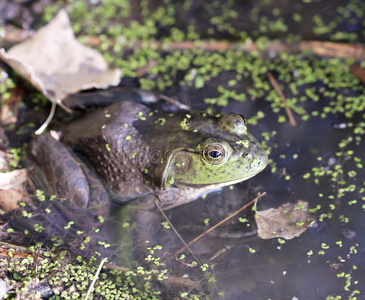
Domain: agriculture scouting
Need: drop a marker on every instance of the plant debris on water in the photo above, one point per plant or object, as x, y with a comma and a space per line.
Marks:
288, 221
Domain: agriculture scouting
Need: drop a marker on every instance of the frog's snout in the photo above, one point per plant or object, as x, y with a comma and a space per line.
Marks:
256, 158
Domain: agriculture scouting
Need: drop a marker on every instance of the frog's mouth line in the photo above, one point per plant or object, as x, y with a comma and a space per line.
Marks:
214, 185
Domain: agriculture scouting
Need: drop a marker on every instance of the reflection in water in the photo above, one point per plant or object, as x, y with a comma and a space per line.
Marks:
54, 224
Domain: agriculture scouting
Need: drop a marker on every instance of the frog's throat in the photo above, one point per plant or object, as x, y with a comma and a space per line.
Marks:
215, 186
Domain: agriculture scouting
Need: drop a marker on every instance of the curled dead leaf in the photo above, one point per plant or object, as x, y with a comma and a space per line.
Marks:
57, 64
287, 221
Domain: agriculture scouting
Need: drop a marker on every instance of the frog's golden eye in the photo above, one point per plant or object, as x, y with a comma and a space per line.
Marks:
214, 154
243, 119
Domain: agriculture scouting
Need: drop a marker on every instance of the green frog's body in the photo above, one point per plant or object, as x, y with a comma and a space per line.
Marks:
139, 151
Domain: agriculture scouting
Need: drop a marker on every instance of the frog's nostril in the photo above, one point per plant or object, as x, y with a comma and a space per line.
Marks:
247, 155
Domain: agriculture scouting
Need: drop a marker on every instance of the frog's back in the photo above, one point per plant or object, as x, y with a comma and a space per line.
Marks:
109, 141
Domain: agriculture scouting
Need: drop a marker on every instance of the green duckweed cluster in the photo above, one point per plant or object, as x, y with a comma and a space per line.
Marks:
303, 77
58, 274
186, 20
243, 76
67, 278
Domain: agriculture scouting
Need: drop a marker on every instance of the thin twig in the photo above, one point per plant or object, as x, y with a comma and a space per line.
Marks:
51, 115
218, 253
332, 49
173, 228
175, 102
95, 277
324, 49
37, 261
5, 252
118, 268
281, 95
358, 72
220, 223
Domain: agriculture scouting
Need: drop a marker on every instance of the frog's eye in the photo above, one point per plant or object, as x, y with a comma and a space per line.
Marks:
214, 154
243, 119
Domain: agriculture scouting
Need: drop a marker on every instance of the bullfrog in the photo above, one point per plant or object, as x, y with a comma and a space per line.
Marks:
134, 150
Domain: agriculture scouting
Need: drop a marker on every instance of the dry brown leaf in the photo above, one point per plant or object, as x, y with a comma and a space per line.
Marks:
57, 64
288, 221
12, 189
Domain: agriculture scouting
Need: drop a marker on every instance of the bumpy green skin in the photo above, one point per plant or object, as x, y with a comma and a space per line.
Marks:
139, 151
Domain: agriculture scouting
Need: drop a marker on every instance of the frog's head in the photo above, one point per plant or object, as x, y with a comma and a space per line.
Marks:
220, 153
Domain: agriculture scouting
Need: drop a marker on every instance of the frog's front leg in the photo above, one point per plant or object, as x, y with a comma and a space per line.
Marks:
74, 182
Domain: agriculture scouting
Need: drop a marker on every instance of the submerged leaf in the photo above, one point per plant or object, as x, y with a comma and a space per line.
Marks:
288, 221
57, 64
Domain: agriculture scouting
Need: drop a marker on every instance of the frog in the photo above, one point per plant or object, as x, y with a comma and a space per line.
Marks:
134, 151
